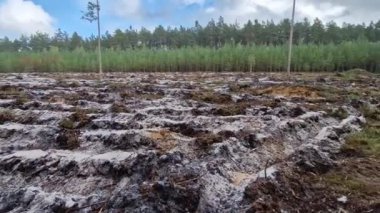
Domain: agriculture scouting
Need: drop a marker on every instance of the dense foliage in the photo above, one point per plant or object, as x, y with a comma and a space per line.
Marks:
214, 34
307, 57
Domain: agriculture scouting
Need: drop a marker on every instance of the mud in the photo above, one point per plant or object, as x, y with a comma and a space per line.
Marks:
170, 142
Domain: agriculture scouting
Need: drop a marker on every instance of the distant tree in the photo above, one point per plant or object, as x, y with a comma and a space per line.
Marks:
317, 31
119, 40
248, 33
173, 37
221, 32
106, 40
270, 32
39, 41
333, 34
198, 32
233, 31
60, 39
371, 31
211, 34
16, 45
159, 36
24, 42
258, 32
305, 34
283, 31
145, 37
75, 42
214, 34
377, 31
6, 45
132, 37
92, 14
91, 43
185, 38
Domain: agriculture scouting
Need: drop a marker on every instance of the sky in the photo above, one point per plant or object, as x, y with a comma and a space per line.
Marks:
26, 17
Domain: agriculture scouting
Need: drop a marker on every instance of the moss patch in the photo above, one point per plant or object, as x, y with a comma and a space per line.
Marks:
118, 107
355, 74
348, 184
365, 142
231, 109
6, 116
210, 97
144, 95
206, 139
76, 120
357, 178
290, 91
370, 112
338, 113
68, 139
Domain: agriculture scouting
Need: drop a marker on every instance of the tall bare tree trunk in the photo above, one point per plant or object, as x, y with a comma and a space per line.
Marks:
291, 38
99, 44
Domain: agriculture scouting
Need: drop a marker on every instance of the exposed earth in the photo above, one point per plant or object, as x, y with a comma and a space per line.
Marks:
190, 142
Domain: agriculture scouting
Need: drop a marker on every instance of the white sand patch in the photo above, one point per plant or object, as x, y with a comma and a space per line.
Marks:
114, 156
269, 172
28, 154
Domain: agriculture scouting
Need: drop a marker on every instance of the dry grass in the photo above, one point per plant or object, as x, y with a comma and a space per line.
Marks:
338, 113
290, 91
356, 178
6, 116
210, 97
118, 107
76, 120
207, 139
68, 139
231, 109
163, 140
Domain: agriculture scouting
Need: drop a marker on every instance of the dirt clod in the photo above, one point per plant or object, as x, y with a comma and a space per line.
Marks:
76, 120
68, 139
6, 116
206, 139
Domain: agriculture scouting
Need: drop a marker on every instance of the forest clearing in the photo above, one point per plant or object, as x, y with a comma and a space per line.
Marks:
148, 142
189, 106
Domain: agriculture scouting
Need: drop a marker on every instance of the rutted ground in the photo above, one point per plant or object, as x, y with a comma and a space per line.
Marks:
173, 142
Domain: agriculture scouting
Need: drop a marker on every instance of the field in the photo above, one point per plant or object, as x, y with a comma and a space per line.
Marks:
236, 58
187, 142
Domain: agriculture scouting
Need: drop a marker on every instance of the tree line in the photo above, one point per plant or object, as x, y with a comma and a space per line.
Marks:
215, 34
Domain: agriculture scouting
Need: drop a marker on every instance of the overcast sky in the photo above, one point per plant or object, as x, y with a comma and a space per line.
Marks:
28, 16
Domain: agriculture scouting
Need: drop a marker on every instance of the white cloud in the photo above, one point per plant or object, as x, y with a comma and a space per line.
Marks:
244, 10
324, 11
210, 10
125, 8
231, 10
23, 17
190, 2
175, 13
273, 6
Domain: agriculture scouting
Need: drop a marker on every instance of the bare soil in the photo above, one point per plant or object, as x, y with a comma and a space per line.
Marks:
188, 142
